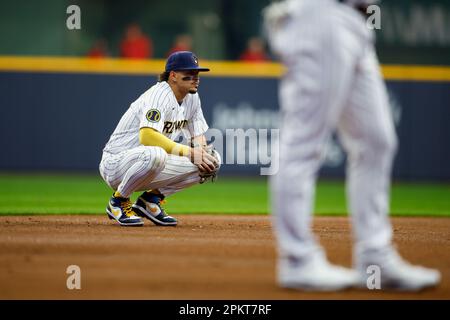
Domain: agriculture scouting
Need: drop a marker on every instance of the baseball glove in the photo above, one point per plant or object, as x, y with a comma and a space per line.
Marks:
205, 176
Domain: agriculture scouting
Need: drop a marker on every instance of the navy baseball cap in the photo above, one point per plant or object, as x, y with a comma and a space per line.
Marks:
183, 60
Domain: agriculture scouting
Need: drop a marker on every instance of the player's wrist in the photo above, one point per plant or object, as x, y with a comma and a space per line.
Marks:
196, 155
196, 144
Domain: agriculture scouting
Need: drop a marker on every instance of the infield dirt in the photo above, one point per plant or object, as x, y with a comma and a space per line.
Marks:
204, 257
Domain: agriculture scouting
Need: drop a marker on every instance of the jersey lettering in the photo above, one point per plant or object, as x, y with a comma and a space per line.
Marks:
170, 126
158, 108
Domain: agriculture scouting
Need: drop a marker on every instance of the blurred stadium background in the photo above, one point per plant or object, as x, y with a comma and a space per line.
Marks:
63, 91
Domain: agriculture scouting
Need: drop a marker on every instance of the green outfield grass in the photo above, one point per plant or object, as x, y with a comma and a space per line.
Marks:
87, 194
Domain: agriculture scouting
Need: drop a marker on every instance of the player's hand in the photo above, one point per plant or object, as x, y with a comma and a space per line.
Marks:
203, 160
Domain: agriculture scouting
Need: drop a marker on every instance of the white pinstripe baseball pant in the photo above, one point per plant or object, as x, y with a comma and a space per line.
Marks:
333, 82
146, 168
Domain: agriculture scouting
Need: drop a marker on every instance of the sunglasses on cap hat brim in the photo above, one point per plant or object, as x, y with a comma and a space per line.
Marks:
191, 77
199, 69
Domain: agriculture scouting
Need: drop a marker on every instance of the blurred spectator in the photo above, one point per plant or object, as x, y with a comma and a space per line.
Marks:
183, 42
135, 44
99, 49
255, 50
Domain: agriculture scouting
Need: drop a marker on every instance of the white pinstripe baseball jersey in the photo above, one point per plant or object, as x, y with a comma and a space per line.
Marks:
158, 108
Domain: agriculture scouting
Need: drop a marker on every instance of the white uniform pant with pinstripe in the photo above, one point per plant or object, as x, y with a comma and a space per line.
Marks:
333, 82
146, 168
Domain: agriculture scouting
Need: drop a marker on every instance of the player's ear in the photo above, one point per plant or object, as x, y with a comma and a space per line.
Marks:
173, 76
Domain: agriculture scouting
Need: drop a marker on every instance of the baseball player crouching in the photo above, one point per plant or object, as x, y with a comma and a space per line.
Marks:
141, 154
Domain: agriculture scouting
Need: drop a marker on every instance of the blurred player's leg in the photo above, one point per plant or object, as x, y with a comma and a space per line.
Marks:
321, 53
368, 133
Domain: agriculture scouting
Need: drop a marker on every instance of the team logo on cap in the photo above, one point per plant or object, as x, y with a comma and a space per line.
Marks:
195, 60
153, 115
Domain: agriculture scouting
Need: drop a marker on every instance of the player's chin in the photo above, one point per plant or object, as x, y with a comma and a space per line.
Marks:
193, 90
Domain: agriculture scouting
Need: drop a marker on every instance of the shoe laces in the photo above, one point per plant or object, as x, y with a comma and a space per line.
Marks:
126, 207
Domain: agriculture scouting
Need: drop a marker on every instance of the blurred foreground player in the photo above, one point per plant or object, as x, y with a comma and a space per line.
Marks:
333, 82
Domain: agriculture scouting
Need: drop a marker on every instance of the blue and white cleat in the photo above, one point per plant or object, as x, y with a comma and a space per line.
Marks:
148, 205
121, 210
